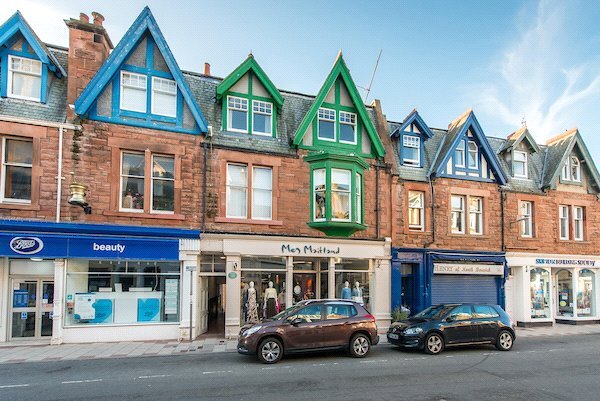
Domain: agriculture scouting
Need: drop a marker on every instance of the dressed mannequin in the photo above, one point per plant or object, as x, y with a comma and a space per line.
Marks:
346, 292
252, 306
357, 293
281, 298
270, 301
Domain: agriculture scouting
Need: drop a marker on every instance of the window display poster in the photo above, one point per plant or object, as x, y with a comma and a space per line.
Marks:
171, 286
84, 306
148, 310
20, 298
104, 311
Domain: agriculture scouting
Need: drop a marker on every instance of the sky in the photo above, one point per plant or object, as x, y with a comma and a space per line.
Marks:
511, 61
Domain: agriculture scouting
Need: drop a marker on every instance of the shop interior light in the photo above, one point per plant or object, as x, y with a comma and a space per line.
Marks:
36, 259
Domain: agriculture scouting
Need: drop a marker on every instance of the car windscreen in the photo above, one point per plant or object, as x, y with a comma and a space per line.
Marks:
434, 312
283, 314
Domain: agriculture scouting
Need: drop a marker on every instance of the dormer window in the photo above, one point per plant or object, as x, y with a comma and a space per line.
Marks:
520, 168
24, 78
459, 155
571, 170
348, 127
164, 97
134, 88
327, 124
237, 109
262, 114
473, 155
411, 150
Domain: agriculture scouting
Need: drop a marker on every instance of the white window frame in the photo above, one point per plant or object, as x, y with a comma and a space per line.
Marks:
566, 171
527, 216
524, 162
563, 216
269, 190
460, 147
155, 89
9, 87
260, 103
421, 209
416, 140
574, 161
235, 186
313, 191
229, 109
461, 211
319, 118
3, 199
358, 187
469, 151
161, 179
476, 214
349, 192
135, 88
578, 222
348, 119
121, 175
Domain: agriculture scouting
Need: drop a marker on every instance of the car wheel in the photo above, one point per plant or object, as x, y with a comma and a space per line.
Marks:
360, 345
434, 344
505, 340
270, 350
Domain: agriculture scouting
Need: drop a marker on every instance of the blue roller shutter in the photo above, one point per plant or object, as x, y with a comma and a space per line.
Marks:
450, 288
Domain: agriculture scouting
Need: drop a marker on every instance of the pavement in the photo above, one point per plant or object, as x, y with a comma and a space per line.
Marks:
17, 353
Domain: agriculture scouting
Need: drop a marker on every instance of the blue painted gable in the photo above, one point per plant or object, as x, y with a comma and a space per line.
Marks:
412, 126
144, 51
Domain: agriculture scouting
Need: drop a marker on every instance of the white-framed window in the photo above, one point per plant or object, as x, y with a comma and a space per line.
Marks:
578, 223
475, 215
566, 172
564, 222
411, 150
133, 167
17, 159
358, 179
520, 168
347, 127
457, 214
163, 184
575, 169
262, 193
326, 126
262, 118
164, 97
459, 154
237, 191
237, 114
340, 195
134, 92
416, 210
24, 78
473, 157
526, 216
319, 192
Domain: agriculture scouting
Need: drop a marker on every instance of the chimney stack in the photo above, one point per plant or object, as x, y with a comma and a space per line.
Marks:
83, 17
98, 18
206, 68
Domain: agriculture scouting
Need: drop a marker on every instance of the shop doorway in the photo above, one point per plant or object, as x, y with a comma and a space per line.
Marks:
305, 283
212, 301
31, 308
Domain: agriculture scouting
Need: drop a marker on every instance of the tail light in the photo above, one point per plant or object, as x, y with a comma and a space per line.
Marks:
370, 317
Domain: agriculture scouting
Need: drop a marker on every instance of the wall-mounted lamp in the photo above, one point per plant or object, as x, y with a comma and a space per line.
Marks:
234, 266
78, 197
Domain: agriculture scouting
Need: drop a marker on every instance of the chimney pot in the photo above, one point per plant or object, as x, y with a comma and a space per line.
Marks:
83, 17
206, 68
98, 18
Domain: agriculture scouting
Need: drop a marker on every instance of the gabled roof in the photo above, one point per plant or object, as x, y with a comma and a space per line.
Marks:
17, 23
144, 22
514, 139
559, 149
415, 118
456, 130
340, 70
250, 64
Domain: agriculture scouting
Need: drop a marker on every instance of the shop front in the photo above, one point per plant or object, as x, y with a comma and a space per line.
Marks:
554, 288
65, 282
264, 275
425, 277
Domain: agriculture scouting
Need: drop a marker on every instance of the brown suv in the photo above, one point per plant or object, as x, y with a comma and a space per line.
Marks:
310, 326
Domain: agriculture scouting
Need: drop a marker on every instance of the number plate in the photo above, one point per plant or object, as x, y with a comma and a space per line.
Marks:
393, 336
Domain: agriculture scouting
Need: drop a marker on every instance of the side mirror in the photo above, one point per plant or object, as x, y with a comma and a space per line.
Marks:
296, 321
450, 319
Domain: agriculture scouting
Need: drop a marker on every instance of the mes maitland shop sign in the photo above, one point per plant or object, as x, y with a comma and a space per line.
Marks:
86, 246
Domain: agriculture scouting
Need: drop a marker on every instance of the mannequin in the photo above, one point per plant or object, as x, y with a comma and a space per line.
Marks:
270, 301
281, 298
252, 306
346, 293
357, 293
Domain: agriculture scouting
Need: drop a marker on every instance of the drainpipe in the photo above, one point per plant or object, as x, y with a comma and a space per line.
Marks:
204, 189
377, 198
432, 212
59, 177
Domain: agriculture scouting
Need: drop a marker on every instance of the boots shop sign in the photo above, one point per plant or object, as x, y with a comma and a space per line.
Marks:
26, 245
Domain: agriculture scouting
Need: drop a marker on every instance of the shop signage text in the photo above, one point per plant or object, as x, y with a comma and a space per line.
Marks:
26, 245
448, 268
109, 247
566, 262
309, 250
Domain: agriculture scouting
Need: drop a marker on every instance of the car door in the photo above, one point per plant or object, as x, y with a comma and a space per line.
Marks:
307, 333
459, 326
486, 320
339, 323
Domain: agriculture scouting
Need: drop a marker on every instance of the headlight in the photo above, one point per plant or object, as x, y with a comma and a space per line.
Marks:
413, 330
252, 330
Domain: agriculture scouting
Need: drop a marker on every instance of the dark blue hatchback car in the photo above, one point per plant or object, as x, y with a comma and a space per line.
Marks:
446, 325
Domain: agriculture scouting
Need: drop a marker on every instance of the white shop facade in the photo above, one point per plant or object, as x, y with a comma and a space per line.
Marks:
545, 289
245, 277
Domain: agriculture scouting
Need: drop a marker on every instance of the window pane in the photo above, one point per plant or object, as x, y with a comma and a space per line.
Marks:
311, 313
262, 178
462, 313
261, 203
163, 167
339, 311
347, 133
319, 193
473, 155
133, 96
133, 164
415, 199
326, 130
26, 85
457, 202
18, 182
133, 193
520, 169
238, 120
236, 202
163, 195
164, 104
236, 175
340, 180
340, 202
358, 198
19, 151
261, 123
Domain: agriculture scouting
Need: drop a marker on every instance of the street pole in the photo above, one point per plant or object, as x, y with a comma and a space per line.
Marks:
191, 303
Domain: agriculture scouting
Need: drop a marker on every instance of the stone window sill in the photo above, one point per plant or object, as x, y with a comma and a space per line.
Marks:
19, 206
160, 216
248, 221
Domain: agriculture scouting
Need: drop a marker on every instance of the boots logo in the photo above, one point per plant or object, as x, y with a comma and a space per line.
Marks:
26, 245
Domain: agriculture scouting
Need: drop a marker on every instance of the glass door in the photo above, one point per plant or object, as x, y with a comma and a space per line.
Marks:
31, 308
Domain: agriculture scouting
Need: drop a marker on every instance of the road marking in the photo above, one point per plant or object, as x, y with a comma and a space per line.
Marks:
82, 381
449, 356
380, 360
325, 364
491, 353
217, 372
152, 376
14, 385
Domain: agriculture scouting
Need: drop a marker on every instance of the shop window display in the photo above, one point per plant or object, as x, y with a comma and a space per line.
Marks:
564, 288
121, 292
352, 280
263, 288
585, 293
306, 273
540, 293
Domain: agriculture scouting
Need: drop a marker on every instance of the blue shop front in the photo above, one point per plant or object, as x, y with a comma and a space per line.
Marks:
69, 282
425, 277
